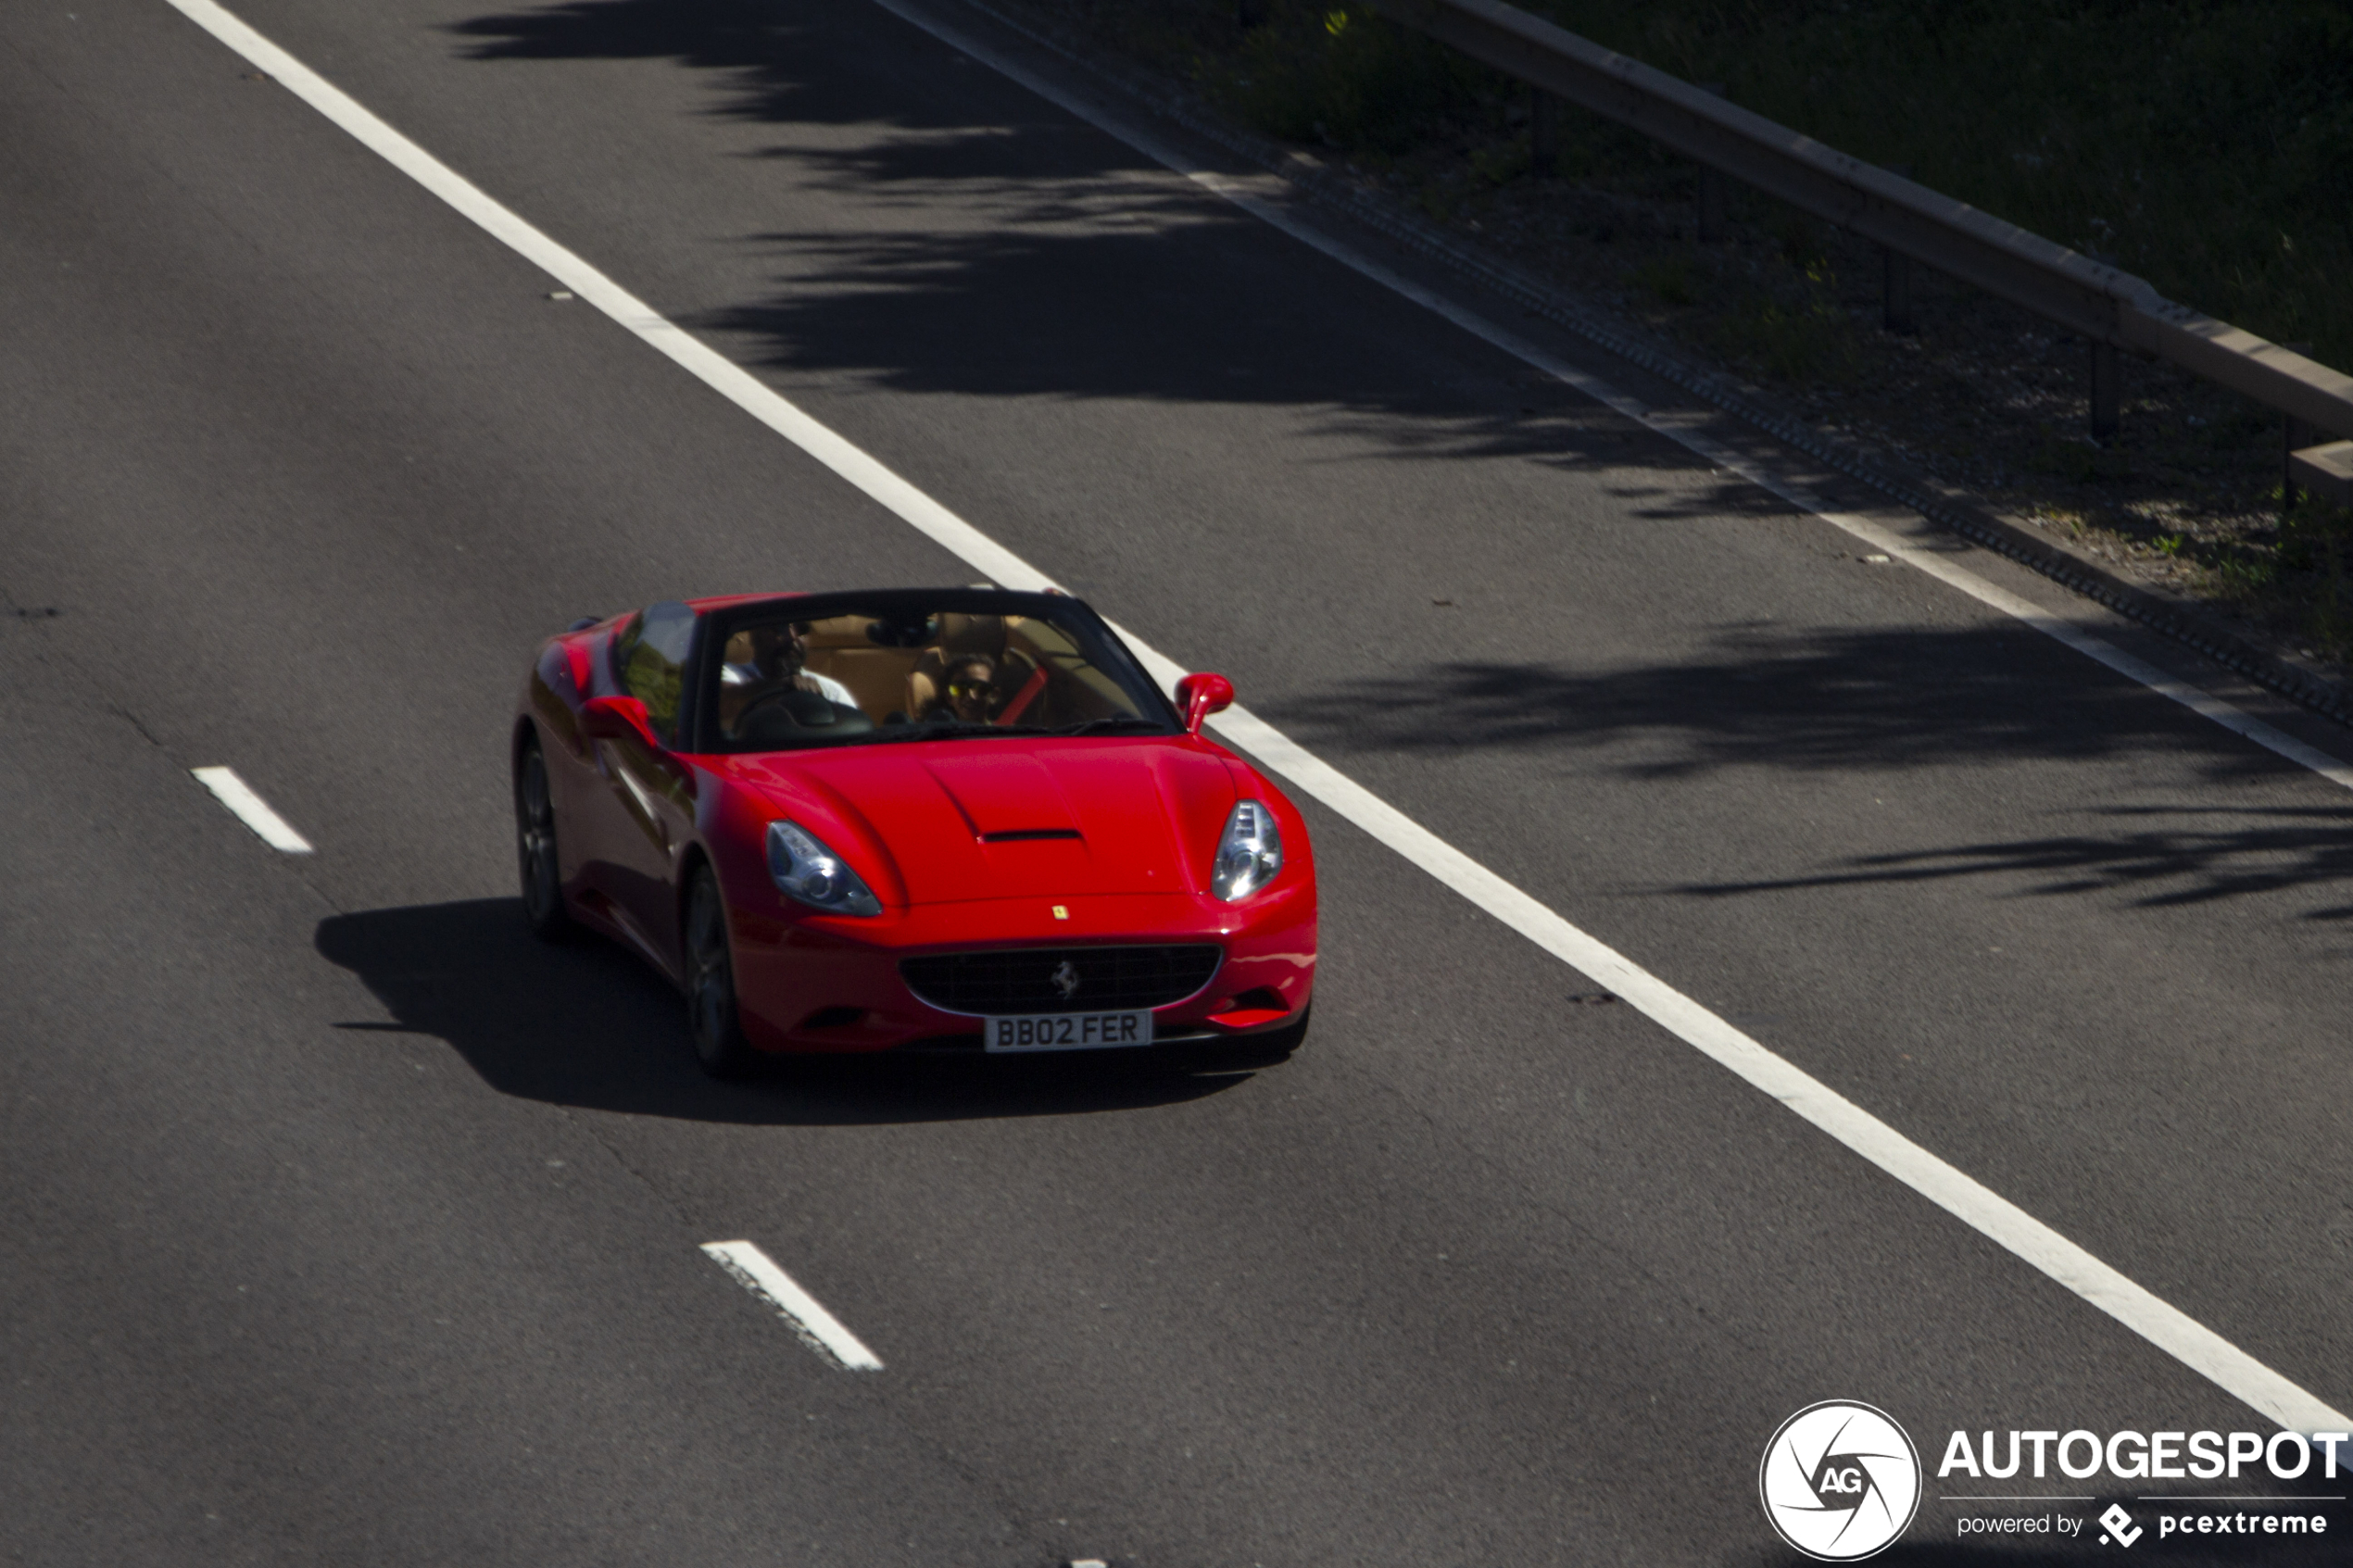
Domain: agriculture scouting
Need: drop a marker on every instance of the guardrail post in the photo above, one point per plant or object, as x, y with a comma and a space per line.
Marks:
1896, 280
2325, 473
1895, 292
1543, 129
2289, 431
1711, 188
2107, 390
1711, 205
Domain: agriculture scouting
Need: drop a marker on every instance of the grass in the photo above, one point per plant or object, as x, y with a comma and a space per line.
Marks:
1788, 326
1343, 77
2076, 461
1811, 340
2309, 565
2206, 146
1670, 280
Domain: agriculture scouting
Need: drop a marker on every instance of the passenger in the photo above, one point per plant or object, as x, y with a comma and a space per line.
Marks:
968, 691
779, 655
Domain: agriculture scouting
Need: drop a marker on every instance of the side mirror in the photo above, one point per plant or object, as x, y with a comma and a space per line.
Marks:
1200, 696
616, 718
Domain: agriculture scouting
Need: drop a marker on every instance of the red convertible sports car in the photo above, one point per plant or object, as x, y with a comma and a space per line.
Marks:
957, 819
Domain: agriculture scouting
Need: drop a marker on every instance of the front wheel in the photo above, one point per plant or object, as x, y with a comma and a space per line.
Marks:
543, 890
712, 1017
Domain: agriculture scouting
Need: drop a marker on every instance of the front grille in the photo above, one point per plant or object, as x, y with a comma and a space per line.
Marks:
1024, 982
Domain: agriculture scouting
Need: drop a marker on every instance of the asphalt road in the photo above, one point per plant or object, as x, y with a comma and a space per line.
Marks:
345, 1224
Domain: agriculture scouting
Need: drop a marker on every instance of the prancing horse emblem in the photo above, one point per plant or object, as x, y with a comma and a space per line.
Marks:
1066, 979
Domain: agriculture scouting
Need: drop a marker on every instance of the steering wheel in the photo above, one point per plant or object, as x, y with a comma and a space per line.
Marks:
814, 711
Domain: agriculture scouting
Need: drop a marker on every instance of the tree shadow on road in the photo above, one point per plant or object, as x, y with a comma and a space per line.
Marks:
988, 244
1886, 702
586, 1024
1874, 700
2180, 856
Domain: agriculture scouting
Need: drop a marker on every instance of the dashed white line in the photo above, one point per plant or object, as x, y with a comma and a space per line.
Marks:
818, 1328
1965, 1197
251, 810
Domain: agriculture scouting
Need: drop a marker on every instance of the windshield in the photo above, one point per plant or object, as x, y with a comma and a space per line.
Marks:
810, 673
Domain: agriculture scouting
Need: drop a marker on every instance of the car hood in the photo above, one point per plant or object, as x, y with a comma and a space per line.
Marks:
964, 820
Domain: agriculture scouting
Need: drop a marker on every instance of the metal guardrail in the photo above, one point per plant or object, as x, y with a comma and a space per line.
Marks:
2110, 308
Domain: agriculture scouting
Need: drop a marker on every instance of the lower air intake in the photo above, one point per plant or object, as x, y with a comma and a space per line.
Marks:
1061, 979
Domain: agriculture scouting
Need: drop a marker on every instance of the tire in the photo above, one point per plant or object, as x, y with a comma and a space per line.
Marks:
542, 869
712, 1021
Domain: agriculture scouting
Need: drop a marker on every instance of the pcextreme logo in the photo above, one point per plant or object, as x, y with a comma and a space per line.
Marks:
1840, 1480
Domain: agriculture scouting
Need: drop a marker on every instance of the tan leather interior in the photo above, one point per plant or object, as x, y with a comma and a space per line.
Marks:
887, 681
1076, 691
877, 676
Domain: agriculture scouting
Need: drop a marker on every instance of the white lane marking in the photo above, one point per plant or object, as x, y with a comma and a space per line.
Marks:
818, 1328
1988, 1212
1682, 428
251, 810
2235, 719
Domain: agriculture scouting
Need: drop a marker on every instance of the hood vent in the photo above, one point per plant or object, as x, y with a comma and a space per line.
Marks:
1026, 836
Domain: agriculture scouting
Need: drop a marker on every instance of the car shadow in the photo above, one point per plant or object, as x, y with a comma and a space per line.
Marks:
584, 1023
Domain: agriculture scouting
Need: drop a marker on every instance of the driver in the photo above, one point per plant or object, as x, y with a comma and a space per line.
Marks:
779, 652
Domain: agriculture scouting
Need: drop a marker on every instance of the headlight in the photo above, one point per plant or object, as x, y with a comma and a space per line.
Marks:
806, 870
1250, 854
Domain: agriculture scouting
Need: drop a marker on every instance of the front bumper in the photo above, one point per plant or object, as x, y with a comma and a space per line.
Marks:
826, 984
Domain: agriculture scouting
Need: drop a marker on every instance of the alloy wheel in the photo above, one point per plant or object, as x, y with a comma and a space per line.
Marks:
710, 982
542, 899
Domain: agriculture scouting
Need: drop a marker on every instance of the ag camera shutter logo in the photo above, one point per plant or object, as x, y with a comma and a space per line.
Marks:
1840, 1480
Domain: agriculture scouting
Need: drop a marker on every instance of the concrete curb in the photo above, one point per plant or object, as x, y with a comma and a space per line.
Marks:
1958, 510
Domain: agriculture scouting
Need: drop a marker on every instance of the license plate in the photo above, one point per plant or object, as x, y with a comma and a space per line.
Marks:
1067, 1031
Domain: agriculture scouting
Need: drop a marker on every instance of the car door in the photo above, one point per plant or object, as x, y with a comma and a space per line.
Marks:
648, 808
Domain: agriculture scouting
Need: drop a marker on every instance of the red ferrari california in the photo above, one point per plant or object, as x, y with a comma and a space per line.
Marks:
946, 819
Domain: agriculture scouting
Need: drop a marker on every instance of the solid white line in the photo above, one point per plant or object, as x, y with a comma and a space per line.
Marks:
2235, 719
1987, 1212
251, 810
818, 1328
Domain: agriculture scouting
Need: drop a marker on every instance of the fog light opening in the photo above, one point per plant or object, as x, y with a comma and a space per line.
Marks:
1250, 1010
